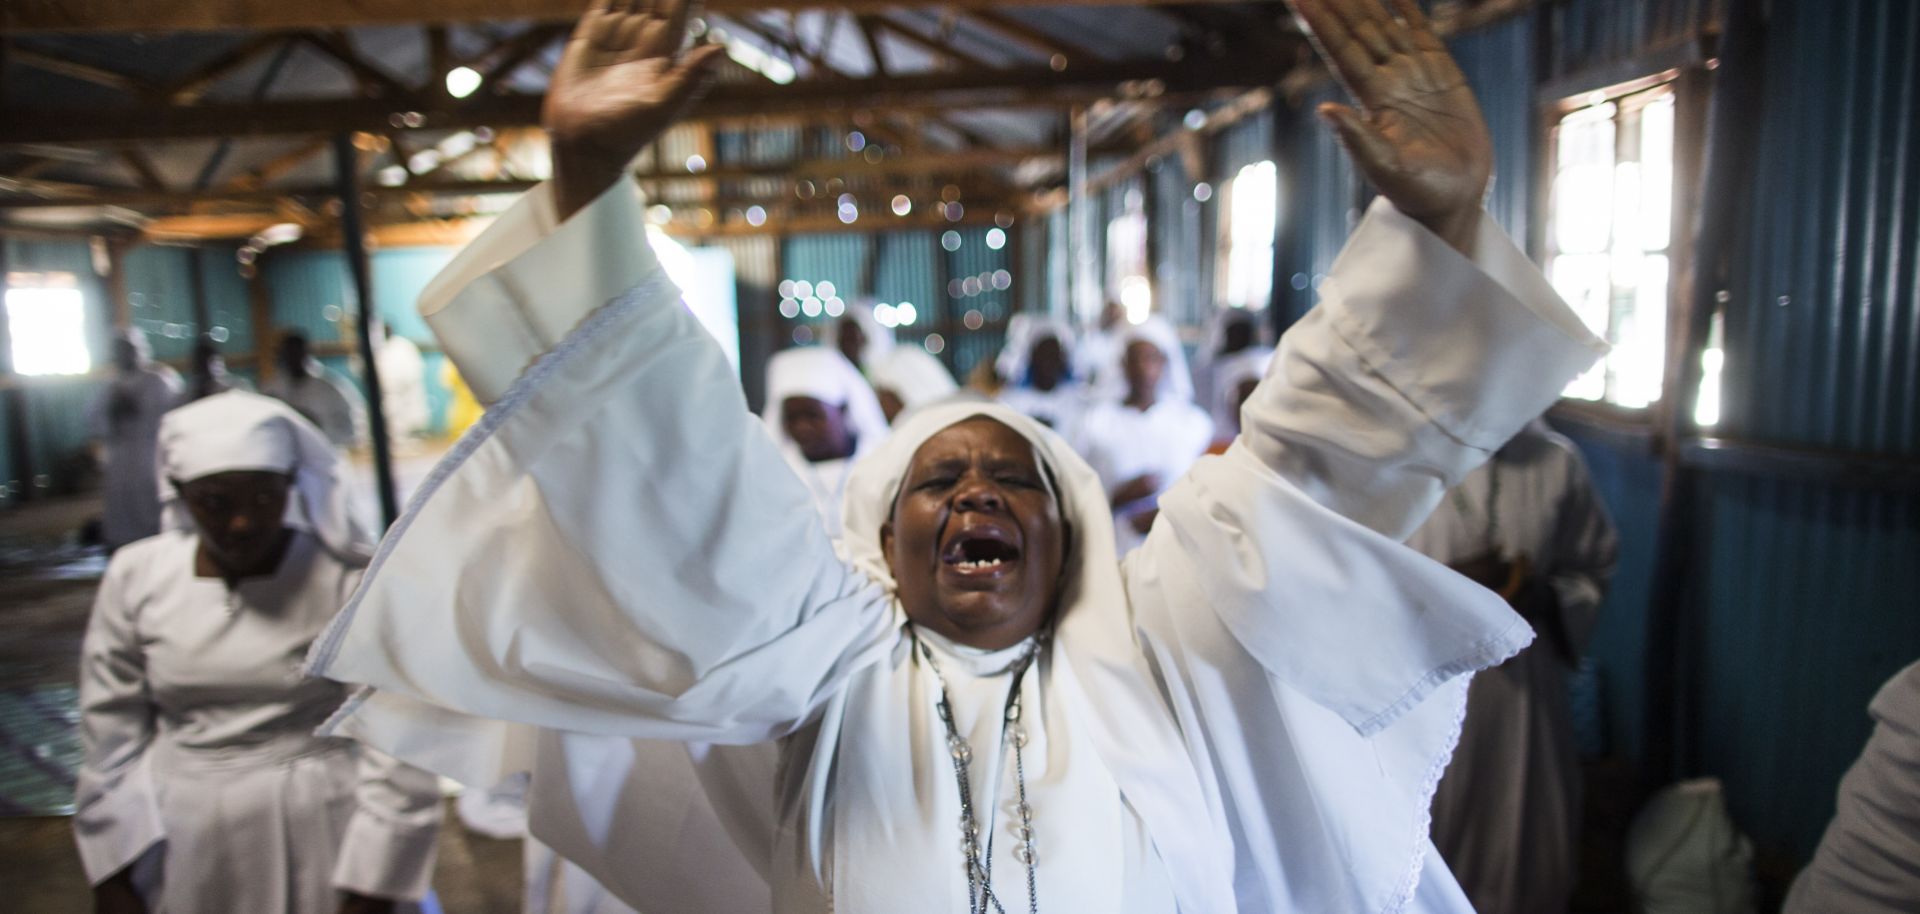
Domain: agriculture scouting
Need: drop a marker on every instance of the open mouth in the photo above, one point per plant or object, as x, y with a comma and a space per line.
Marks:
980, 550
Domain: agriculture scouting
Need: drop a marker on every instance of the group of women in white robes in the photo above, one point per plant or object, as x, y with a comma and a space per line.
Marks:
1528, 525
609, 555
203, 786
124, 419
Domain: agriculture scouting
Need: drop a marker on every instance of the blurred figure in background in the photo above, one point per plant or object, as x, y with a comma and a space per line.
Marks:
1528, 526
908, 378
207, 374
403, 385
1234, 378
1098, 358
327, 401
859, 336
823, 414
124, 420
1141, 442
1037, 365
1234, 343
203, 788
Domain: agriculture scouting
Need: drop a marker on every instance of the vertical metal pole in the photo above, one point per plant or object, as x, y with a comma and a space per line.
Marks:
19, 448
353, 240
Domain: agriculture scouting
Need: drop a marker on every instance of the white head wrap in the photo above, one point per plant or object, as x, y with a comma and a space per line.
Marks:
1126, 718
1024, 331
914, 376
822, 373
879, 336
1176, 382
237, 430
1229, 373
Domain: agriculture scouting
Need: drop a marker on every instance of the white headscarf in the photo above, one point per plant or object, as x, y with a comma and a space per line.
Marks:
879, 336
237, 430
822, 373
1122, 712
1024, 331
1229, 373
914, 376
1176, 382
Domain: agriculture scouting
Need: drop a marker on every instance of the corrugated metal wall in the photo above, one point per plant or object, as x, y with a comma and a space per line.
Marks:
1808, 598
55, 408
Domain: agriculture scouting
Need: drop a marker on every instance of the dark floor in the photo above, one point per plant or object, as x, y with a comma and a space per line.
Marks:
46, 590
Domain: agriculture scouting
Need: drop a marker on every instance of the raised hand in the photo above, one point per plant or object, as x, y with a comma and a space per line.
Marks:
1418, 135
620, 83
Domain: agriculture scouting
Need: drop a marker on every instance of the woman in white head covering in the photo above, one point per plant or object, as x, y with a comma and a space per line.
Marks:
859, 335
1037, 365
203, 787
977, 703
908, 378
824, 415
1234, 379
1236, 337
1141, 441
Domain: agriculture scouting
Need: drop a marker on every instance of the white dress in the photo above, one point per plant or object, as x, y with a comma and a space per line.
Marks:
1058, 409
125, 418
1123, 443
1207, 726
201, 763
403, 387
1506, 817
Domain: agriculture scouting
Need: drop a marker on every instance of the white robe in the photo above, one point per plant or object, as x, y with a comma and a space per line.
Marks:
201, 762
125, 418
403, 388
1123, 443
1268, 770
1506, 817
327, 401
1869, 860
1059, 409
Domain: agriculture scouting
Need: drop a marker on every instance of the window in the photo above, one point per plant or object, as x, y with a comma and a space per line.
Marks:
1127, 280
47, 320
1250, 217
1609, 237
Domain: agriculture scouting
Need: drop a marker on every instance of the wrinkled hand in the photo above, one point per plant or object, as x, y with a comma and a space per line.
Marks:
1142, 486
1418, 135
620, 83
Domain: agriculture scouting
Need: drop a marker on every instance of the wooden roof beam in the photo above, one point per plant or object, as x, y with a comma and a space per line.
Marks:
1021, 33
99, 76
941, 49
18, 16
188, 89
925, 92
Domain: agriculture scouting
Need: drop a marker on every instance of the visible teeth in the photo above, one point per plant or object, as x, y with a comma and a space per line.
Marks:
979, 564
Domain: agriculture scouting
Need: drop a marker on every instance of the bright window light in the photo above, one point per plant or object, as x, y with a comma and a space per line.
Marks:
462, 81
1252, 214
49, 328
1609, 233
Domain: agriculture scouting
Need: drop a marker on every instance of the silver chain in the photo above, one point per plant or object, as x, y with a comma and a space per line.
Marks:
979, 865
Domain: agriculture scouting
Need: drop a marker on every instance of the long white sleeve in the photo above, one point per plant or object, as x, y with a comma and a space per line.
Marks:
118, 813
390, 844
619, 547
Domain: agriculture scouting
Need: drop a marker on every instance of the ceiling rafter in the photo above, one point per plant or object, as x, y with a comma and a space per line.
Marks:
372, 79
189, 88
872, 38
515, 52
136, 160
73, 69
1021, 33
932, 45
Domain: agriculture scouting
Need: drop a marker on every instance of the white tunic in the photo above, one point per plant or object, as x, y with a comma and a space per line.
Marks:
1058, 409
1506, 817
1123, 443
201, 764
1869, 860
403, 387
685, 592
125, 419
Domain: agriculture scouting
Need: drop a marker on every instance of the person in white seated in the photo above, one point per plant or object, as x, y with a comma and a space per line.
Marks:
1868, 862
203, 787
907, 378
1529, 526
124, 422
1142, 441
1037, 365
1235, 339
824, 415
977, 705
